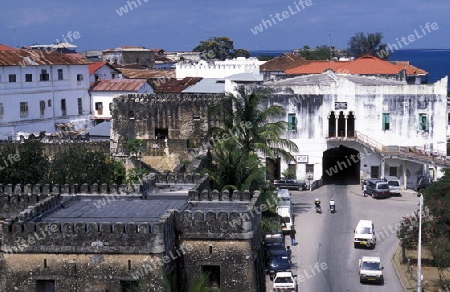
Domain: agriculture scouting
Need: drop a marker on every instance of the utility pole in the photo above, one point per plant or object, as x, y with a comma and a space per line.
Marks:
419, 246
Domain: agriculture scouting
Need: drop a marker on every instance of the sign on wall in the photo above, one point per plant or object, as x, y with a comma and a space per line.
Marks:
302, 158
340, 105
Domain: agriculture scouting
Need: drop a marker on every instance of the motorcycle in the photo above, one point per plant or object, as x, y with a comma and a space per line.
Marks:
318, 209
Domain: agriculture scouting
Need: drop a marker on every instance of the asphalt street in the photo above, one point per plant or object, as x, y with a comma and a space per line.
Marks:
325, 259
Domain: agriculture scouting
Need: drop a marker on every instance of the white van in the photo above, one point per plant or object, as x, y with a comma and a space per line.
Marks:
365, 234
285, 212
394, 185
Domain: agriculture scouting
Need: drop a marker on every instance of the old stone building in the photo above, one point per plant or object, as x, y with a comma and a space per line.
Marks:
108, 238
349, 127
183, 120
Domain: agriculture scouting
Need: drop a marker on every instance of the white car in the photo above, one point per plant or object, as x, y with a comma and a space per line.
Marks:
284, 281
370, 270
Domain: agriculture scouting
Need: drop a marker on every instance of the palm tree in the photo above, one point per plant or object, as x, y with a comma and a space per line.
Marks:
247, 131
255, 128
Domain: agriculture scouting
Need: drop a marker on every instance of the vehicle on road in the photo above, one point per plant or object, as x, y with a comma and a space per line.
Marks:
285, 281
423, 182
286, 183
377, 188
278, 264
370, 270
273, 238
394, 185
365, 234
284, 209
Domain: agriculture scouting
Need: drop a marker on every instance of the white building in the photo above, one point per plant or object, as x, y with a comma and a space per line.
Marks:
103, 91
218, 69
350, 127
102, 70
40, 90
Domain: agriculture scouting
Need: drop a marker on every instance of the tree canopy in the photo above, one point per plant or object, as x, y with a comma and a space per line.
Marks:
319, 53
361, 44
220, 48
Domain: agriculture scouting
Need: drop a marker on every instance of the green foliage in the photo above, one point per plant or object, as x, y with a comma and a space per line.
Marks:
319, 53
133, 146
76, 165
287, 173
135, 175
246, 129
361, 44
23, 163
265, 58
200, 283
219, 48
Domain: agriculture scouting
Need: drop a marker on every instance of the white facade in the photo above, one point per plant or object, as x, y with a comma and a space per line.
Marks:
102, 100
105, 72
370, 115
218, 69
35, 98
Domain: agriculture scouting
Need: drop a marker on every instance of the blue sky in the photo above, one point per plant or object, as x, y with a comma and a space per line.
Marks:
180, 25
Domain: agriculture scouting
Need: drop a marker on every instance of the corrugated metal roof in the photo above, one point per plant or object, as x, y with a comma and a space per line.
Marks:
23, 57
147, 74
5, 48
283, 62
95, 66
174, 85
118, 85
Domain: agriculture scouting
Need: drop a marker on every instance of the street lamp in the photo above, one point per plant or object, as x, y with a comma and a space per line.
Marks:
419, 246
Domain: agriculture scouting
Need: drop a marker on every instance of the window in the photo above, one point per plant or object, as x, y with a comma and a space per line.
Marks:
309, 167
80, 106
292, 122
113, 75
423, 122
12, 78
2, 110
63, 107
24, 109
393, 171
49, 103
96, 77
28, 77
42, 108
99, 108
213, 273
196, 117
386, 122
79, 77
60, 74
44, 76
161, 133
45, 285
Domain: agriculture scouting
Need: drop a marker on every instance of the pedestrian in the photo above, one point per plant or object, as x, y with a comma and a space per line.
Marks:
292, 234
289, 253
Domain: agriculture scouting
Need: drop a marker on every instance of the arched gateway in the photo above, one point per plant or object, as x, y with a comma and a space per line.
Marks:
341, 165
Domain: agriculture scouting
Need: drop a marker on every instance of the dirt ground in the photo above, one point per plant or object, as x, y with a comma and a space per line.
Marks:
430, 274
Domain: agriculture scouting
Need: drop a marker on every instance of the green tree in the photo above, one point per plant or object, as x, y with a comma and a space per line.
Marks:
361, 44
319, 53
23, 163
77, 165
219, 48
248, 130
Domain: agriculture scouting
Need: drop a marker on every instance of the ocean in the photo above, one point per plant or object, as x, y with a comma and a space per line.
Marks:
435, 62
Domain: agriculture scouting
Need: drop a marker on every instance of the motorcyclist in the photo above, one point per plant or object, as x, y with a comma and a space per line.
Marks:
332, 205
317, 203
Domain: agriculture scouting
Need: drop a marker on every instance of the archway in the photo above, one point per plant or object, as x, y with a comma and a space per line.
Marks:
341, 166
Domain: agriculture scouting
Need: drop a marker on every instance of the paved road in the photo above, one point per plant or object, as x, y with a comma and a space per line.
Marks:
325, 259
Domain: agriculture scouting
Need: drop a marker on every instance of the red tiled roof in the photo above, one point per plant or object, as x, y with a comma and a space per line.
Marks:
95, 66
284, 62
173, 85
22, 57
128, 85
5, 48
365, 65
410, 69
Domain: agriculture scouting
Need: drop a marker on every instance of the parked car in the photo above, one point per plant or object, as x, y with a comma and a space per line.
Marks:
377, 188
394, 185
370, 270
278, 264
273, 238
285, 281
292, 184
423, 182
